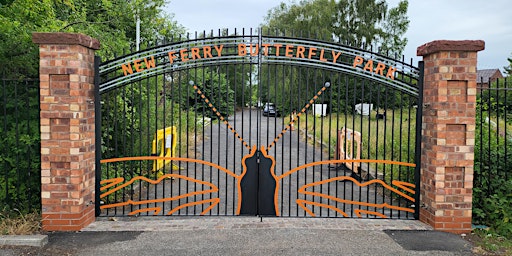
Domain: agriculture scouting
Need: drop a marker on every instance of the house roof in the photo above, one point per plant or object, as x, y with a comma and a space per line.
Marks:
484, 75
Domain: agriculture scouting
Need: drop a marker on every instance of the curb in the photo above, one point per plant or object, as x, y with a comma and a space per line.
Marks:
24, 240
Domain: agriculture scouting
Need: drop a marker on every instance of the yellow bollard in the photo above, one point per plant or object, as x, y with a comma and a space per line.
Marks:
164, 145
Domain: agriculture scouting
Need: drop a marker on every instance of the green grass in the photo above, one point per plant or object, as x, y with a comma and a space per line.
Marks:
486, 242
389, 139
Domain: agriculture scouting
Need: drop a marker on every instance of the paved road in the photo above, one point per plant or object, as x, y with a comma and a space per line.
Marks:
250, 236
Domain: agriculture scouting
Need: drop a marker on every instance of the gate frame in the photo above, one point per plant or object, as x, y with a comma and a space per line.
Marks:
68, 143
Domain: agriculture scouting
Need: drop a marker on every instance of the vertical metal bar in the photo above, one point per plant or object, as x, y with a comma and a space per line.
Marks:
338, 143
196, 134
5, 169
17, 138
124, 153
497, 132
225, 112
363, 85
313, 147
163, 95
97, 130
392, 167
385, 139
329, 133
258, 116
297, 179
321, 102
345, 124
308, 79
408, 174
151, 133
506, 130
400, 134
369, 136
354, 101
377, 140
417, 140
489, 129
291, 108
141, 165
243, 83
231, 76
132, 145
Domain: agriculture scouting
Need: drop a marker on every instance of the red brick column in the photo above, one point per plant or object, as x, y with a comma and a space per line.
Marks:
449, 106
66, 75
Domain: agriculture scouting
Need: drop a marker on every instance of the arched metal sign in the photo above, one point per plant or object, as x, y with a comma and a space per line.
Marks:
256, 49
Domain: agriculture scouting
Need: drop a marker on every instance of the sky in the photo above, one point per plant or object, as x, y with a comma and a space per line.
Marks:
430, 20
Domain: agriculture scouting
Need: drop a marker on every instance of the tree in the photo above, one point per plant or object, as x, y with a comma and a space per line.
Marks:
308, 17
395, 26
213, 85
361, 23
18, 19
112, 22
365, 24
357, 21
508, 69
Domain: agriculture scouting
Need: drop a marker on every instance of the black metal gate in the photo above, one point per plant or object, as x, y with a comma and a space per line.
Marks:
254, 124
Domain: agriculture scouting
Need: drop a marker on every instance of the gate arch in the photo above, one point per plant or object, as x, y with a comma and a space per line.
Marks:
217, 93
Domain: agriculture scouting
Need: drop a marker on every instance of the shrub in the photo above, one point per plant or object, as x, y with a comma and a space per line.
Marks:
492, 188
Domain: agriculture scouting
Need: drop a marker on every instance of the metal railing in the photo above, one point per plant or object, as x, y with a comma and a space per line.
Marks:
20, 161
493, 138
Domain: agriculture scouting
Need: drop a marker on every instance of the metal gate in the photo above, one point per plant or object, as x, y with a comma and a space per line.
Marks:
256, 124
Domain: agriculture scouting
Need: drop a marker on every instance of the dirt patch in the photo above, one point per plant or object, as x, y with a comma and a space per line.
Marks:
485, 246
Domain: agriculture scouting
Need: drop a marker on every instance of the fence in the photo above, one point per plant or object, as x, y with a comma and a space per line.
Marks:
20, 178
493, 142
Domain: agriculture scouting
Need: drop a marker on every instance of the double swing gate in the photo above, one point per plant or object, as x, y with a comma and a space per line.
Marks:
253, 124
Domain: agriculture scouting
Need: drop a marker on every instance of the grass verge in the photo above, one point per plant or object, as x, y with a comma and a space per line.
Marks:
16, 223
486, 242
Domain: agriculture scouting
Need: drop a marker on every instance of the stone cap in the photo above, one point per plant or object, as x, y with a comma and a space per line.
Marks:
450, 45
65, 38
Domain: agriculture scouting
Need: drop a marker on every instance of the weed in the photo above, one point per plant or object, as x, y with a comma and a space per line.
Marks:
16, 223
487, 242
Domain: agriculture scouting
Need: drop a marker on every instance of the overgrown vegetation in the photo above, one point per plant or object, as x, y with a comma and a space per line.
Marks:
487, 242
492, 185
14, 222
19, 145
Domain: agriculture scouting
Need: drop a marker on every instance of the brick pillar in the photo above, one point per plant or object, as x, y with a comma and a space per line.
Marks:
449, 106
66, 75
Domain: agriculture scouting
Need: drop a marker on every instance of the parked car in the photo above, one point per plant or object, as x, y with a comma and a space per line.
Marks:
270, 110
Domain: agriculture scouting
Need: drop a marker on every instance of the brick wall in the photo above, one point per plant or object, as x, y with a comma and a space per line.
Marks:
448, 131
67, 129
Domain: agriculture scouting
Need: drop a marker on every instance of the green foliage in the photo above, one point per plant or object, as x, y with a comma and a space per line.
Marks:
361, 23
395, 26
508, 69
496, 101
112, 22
313, 17
213, 85
20, 150
492, 192
17, 22
487, 242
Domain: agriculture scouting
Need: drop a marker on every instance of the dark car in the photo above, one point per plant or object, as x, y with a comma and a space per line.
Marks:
270, 110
